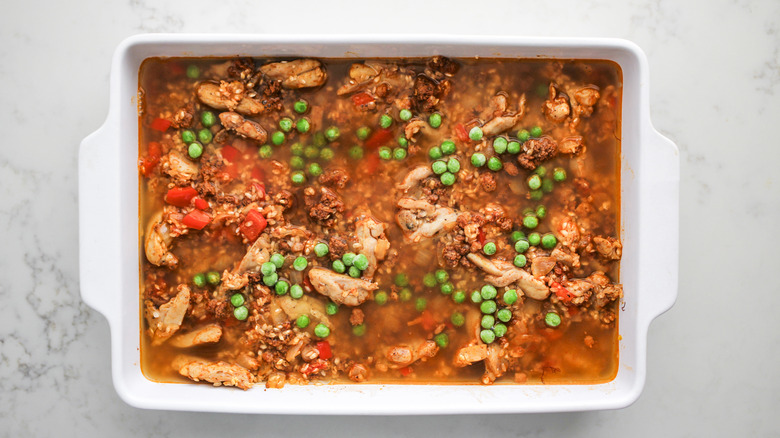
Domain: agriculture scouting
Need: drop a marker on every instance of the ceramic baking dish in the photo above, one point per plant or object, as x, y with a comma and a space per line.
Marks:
108, 184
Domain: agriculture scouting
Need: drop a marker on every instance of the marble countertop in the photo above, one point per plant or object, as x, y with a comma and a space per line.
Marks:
715, 72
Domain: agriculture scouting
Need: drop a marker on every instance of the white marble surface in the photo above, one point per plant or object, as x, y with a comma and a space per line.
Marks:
715, 70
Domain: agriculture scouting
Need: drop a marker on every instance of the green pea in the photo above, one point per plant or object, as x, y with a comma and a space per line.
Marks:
399, 153
499, 145
321, 249
459, 296
536, 131
547, 185
303, 126
363, 132
338, 266
204, 136
282, 287
488, 307
510, 297
354, 272
188, 136
429, 279
401, 280
265, 151
536, 195
296, 149
476, 297
523, 135
380, 298
499, 329
488, 292
361, 262
447, 288
208, 119
385, 153
405, 115
448, 147
489, 248
303, 321
435, 153
541, 211
286, 124
300, 263
534, 239
522, 245
348, 258
442, 276
241, 313
442, 340
405, 294
447, 178
552, 319
519, 261
321, 331
359, 330
541, 171
559, 174
549, 241
331, 308
356, 152
420, 304
297, 162
495, 164
517, 235
439, 167
457, 319
487, 321
530, 222
315, 170
403, 142
311, 152
332, 133
434, 120
319, 140
534, 182
385, 121
476, 133
327, 154
296, 291
487, 336
213, 278
277, 138
267, 268
193, 72
478, 159
277, 259
199, 279
453, 165
195, 150
271, 279
300, 106
297, 178
504, 315
513, 147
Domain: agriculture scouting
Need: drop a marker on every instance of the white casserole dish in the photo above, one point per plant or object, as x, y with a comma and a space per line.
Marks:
110, 249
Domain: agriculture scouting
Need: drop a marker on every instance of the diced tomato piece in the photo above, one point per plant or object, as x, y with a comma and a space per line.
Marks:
180, 196
253, 225
229, 153
362, 99
324, 348
372, 163
561, 292
405, 371
481, 236
460, 132
426, 320
257, 173
152, 158
160, 124
379, 138
196, 219
201, 204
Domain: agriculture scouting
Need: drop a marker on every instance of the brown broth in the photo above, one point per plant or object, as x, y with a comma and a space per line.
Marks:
550, 356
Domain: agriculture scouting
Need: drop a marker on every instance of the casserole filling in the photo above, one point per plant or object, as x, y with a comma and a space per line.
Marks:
383, 220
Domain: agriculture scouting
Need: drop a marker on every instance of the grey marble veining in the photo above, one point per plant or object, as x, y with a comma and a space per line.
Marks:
715, 83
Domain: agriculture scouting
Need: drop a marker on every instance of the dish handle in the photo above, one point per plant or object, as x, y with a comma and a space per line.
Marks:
660, 260
99, 214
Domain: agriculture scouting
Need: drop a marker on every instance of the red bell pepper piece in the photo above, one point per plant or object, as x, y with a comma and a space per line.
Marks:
379, 138
481, 236
405, 371
257, 174
196, 219
561, 292
362, 99
253, 225
229, 153
460, 132
324, 348
180, 196
426, 320
200, 203
259, 188
153, 155
160, 124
